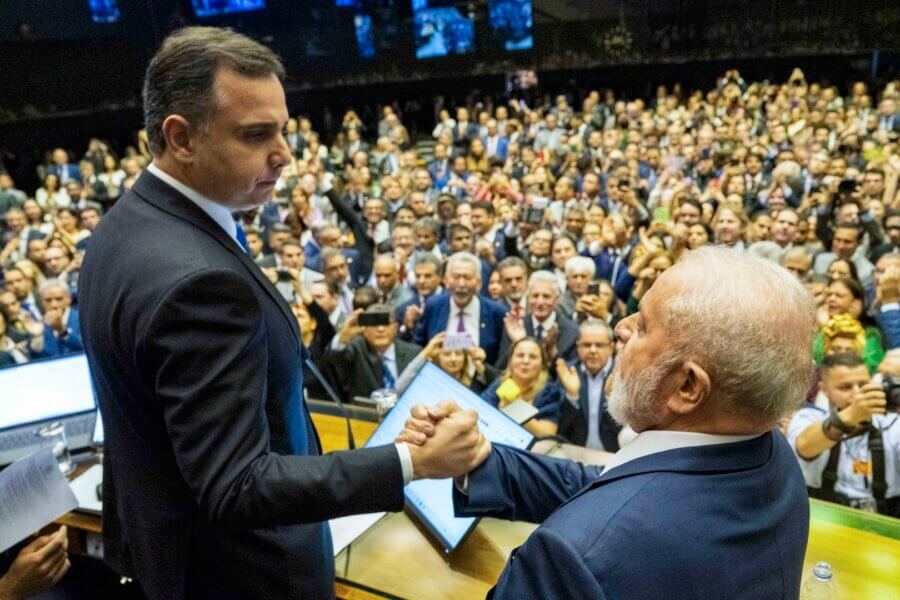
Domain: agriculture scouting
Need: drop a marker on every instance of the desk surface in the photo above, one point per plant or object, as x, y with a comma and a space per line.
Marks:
397, 557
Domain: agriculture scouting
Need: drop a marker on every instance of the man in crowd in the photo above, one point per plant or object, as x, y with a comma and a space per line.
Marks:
587, 422
850, 453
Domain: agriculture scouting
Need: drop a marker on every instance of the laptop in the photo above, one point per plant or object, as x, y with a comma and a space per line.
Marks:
41, 392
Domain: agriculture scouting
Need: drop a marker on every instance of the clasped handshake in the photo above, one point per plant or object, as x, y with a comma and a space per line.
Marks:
444, 441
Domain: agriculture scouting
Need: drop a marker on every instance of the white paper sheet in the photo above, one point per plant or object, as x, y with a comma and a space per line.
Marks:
85, 488
346, 529
33, 492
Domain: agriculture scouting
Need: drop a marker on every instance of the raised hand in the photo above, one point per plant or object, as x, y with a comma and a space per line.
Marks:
515, 328
39, 565
411, 317
568, 376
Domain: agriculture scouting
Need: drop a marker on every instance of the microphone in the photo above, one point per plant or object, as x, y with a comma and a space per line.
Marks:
351, 443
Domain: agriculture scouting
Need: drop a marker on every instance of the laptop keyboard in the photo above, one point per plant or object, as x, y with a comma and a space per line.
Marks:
22, 438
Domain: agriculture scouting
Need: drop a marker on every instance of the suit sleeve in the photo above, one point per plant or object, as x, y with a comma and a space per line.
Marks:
364, 244
419, 333
206, 349
547, 566
889, 323
518, 485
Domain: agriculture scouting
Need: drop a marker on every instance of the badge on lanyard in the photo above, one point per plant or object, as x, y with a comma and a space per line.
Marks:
862, 467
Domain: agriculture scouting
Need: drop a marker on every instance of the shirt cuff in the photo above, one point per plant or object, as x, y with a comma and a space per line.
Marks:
462, 488
406, 463
866, 216
890, 306
336, 343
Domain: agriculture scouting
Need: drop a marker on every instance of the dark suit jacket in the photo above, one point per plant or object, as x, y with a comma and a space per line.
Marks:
437, 313
361, 371
565, 341
361, 260
573, 420
672, 524
213, 484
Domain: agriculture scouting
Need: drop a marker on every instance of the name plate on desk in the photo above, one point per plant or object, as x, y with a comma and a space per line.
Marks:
431, 500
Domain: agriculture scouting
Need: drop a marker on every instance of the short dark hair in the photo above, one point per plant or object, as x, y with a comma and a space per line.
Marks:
484, 205
364, 297
181, 76
844, 359
457, 228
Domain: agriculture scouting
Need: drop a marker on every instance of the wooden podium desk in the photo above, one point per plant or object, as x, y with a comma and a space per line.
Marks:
396, 558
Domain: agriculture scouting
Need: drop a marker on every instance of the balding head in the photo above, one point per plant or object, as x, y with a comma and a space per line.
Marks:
722, 344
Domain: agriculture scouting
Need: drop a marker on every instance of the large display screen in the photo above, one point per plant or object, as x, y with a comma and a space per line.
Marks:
431, 499
212, 8
365, 38
105, 11
511, 23
440, 29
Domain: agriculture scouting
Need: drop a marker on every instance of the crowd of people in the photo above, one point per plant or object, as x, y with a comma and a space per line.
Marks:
529, 232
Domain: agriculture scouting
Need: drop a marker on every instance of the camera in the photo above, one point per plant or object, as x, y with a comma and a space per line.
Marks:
891, 386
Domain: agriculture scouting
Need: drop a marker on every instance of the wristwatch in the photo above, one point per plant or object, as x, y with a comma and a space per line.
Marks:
835, 421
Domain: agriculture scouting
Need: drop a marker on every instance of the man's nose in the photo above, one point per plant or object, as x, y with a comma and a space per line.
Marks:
624, 329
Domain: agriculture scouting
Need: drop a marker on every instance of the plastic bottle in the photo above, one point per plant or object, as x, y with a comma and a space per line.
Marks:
820, 584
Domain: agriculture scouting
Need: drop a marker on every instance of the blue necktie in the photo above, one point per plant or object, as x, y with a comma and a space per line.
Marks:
387, 378
242, 237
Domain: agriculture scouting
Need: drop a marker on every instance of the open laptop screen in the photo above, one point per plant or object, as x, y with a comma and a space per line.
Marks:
45, 390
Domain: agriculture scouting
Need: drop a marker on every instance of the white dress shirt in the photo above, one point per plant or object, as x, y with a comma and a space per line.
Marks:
217, 212
546, 324
653, 441
222, 216
594, 396
471, 319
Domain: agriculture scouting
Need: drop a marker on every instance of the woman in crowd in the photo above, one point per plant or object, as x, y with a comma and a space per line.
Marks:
846, 297
112, 176
699, 235
476, 159
35, 216
466, 366
68, 229
10, 352
527, 378
50, 196
842, 269
645, 271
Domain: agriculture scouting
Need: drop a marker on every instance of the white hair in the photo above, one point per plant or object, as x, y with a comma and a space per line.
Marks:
53, 284
580, 264
749, 323
464, 257
539, 277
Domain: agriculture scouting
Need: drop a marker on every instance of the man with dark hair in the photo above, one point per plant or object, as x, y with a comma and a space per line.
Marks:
371, 357
846, 246
892, 229
214, 483
835, 447
513, 279
489, 239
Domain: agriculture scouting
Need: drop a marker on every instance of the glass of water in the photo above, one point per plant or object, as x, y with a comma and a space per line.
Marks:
53, 436
384, 400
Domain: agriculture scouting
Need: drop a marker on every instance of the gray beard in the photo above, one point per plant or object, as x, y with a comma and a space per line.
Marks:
634, 396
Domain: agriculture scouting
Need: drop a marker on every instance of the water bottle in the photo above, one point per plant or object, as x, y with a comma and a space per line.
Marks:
820, 584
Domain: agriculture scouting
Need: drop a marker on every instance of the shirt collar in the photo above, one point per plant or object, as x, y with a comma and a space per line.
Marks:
471, 309
390, 354
547, 323
601, 374
216, 211
654, 441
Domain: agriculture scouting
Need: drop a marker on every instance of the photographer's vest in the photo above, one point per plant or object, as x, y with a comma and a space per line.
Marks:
830, 474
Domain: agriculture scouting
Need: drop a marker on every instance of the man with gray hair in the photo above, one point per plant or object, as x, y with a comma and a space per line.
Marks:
556, 332
462, 310
703, 381
62, 327
580, 272
586, 421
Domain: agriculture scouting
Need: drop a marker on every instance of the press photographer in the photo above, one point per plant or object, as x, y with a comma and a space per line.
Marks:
851, 455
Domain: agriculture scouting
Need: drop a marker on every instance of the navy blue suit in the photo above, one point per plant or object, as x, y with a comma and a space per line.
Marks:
56, 345
437, 314
889, 323
722, 521
547, 402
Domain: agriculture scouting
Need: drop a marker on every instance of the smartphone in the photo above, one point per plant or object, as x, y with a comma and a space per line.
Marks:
534, 215
593, 288
374, 319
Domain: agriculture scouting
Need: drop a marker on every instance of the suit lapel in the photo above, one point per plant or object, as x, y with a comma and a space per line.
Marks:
155, 191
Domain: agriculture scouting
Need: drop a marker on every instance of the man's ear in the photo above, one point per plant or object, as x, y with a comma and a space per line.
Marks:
692, 389
178, 133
